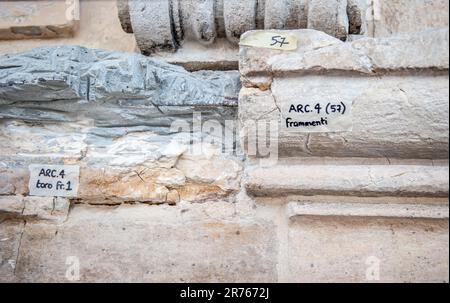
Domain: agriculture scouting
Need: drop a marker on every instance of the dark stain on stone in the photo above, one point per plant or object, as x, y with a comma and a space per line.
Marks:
27, 30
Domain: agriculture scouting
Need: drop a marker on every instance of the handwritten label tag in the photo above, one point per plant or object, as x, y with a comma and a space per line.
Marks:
317, 117
278, 41
54, 180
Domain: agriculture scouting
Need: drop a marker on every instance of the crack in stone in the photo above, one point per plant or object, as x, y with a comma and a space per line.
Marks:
267, 113
19, 246
275, 100
53, 206
139, 175
307, 143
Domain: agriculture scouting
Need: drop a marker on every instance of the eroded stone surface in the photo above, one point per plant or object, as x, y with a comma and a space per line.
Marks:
398, 88
77, 73
11, 232
407, 16
110, 89
34, 208
213, 231
119, 165
329, 17
117, 116
319, 52
38, 19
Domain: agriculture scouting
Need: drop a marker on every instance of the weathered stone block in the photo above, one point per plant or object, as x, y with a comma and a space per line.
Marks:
407, 16
149, 244
77, 73
318, 52
11, 232
34, 208
120, 165
98, 27
329, 17
111, 89
38, 19
397, 89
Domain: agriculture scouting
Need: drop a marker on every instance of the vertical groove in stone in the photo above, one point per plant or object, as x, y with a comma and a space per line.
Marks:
176, 28
203, 21
329, 17
260, 12
124, 15
240, 17
219, 19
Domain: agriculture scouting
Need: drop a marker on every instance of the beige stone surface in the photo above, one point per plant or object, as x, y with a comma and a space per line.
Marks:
357, 249
134, 166
11, 232
397, 88
395, 116
13, 205
99, 27
407, 16
329, 17
149, 244
49, 209
38, 19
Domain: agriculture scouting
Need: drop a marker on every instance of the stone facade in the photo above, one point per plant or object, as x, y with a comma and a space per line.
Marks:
174, 185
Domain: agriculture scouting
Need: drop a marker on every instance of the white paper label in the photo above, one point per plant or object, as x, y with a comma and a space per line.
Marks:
317, 117
272, 40
53, 180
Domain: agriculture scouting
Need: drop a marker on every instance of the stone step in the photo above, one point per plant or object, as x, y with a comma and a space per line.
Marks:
384, 210
352, 180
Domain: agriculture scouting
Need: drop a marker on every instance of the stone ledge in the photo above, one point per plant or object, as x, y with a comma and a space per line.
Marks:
402, 16
412, 211
119, 165
353, 180
38, 208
